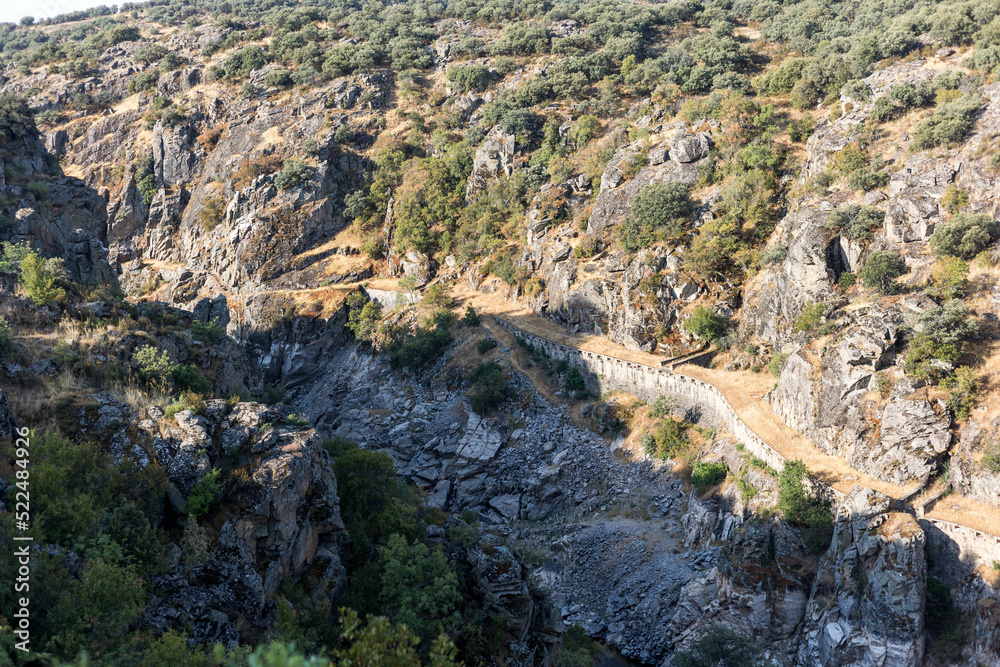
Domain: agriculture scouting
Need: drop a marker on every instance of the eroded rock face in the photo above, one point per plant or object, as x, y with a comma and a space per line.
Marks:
867, 605
764, 579
914, 435
284, 518
829, 404
499, 574
805, 275
614, 201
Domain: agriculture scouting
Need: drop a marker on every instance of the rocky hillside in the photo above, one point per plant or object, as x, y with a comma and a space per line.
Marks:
256, 263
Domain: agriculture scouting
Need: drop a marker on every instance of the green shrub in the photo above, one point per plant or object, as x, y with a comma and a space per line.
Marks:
810, 317
489, 387
189, 378
961, 386
39, 277
774, 255
17, 120
720, 646
208, 332
965, 235
204, 493
855, 222
777, 363
155, 366
810, 514
881, 269
118, 34
846, 280
146, 80
437, 296
239, 65
704, 475
485, 345
212, 213
470, 319
279, 78
295, 172
6, 337
954, 199
37, 189
949, 278
466, 78
363, 315
949, 124
941, 332
868, 178
663, 406
576, 649
574, 382
658, 209
669, 440
705, 324
419, 348
991, 457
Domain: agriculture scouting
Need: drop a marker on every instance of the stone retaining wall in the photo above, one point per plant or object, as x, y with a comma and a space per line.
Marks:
647, 383
961, 543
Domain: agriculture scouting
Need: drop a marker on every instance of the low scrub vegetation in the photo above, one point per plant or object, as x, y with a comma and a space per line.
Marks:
804, 510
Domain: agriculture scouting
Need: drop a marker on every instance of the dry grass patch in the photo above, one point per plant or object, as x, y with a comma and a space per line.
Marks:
967, 512
899, 522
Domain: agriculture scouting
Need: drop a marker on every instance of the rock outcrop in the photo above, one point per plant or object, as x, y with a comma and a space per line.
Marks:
283, 520
867, 605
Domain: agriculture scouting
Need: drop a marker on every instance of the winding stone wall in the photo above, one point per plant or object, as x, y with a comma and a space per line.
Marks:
961, 544
646, 382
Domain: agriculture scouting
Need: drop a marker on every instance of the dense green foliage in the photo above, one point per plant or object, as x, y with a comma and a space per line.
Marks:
658, 213
810, 514
574, 382
949, 124
106, 513
856, 222
881, 270
706, 324
965, 235
705, 475
489, 387
17, 121
294, 173
938, 343
363, 315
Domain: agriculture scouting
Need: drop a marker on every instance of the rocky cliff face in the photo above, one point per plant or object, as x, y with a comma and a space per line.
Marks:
283, 519
867, 603
57, 214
